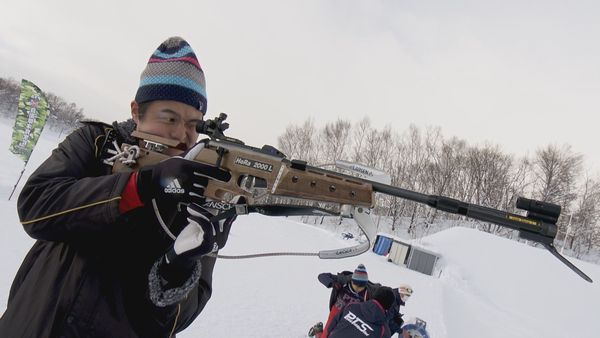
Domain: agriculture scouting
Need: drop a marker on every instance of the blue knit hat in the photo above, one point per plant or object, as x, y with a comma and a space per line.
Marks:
360, 276
173, 73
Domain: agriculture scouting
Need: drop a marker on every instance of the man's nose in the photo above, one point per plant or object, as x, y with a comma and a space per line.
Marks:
178, 133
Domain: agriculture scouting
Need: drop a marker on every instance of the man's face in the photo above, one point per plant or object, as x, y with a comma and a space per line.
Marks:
169, 119
358, 288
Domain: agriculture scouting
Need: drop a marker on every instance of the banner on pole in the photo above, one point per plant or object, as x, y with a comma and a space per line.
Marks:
32, 113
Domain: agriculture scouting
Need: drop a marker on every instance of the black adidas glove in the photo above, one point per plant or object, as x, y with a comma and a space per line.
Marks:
198, 238
177, 180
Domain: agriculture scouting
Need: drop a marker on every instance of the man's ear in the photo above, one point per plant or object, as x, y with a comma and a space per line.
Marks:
135, 111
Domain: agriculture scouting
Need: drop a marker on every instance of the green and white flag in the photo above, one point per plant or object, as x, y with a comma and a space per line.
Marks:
31, 117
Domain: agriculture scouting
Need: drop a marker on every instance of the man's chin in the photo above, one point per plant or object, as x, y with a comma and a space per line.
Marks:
174, 152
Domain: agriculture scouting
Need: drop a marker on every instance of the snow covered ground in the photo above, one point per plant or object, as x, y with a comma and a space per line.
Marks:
486, 287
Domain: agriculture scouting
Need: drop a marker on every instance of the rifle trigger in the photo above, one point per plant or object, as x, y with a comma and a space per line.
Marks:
241, 209
220, 151
238, 209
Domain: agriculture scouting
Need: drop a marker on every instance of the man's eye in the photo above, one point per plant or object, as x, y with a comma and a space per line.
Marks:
168, 119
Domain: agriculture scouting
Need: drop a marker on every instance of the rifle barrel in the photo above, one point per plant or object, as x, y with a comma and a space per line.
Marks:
481, 213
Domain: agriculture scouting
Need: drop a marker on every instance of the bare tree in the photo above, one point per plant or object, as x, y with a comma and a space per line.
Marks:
445, 158
359, 140
409, 162
520, 184
334, 141
488, 174
556, 169
585, 226
9, 97
375, 149
299, 142
63, 115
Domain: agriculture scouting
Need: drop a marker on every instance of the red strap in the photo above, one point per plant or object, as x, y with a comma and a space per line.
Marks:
130, 198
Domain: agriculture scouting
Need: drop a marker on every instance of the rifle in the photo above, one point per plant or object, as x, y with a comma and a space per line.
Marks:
276, 186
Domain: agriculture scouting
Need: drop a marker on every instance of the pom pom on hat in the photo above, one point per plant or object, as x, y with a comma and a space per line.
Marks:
360, 276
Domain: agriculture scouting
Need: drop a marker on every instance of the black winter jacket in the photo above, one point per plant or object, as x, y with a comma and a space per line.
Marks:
87, 273
395, 311
360, 320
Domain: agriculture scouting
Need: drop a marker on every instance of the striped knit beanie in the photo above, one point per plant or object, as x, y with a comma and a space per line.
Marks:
360, 276
173, 73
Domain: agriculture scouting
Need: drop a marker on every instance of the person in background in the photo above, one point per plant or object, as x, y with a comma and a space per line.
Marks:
346, 288
395, 321
366, 319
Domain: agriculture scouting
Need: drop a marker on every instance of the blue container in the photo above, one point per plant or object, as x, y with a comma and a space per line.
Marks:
382, 245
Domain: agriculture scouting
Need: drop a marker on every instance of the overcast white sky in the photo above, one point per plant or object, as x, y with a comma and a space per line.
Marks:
520, 74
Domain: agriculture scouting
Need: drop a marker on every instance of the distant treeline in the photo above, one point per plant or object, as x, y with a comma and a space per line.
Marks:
427, 162
63, 114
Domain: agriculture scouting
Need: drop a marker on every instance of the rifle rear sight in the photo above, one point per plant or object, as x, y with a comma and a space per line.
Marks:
215, 127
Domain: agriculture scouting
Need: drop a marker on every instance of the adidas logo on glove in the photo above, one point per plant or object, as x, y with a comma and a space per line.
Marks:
174, 188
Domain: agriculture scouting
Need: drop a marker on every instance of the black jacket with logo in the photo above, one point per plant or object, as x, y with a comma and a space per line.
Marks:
360, 320
87, 273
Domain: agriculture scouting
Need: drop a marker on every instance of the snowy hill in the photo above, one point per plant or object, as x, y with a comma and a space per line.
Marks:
487, 287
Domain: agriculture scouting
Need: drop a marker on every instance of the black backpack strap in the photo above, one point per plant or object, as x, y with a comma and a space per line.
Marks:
103, 144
